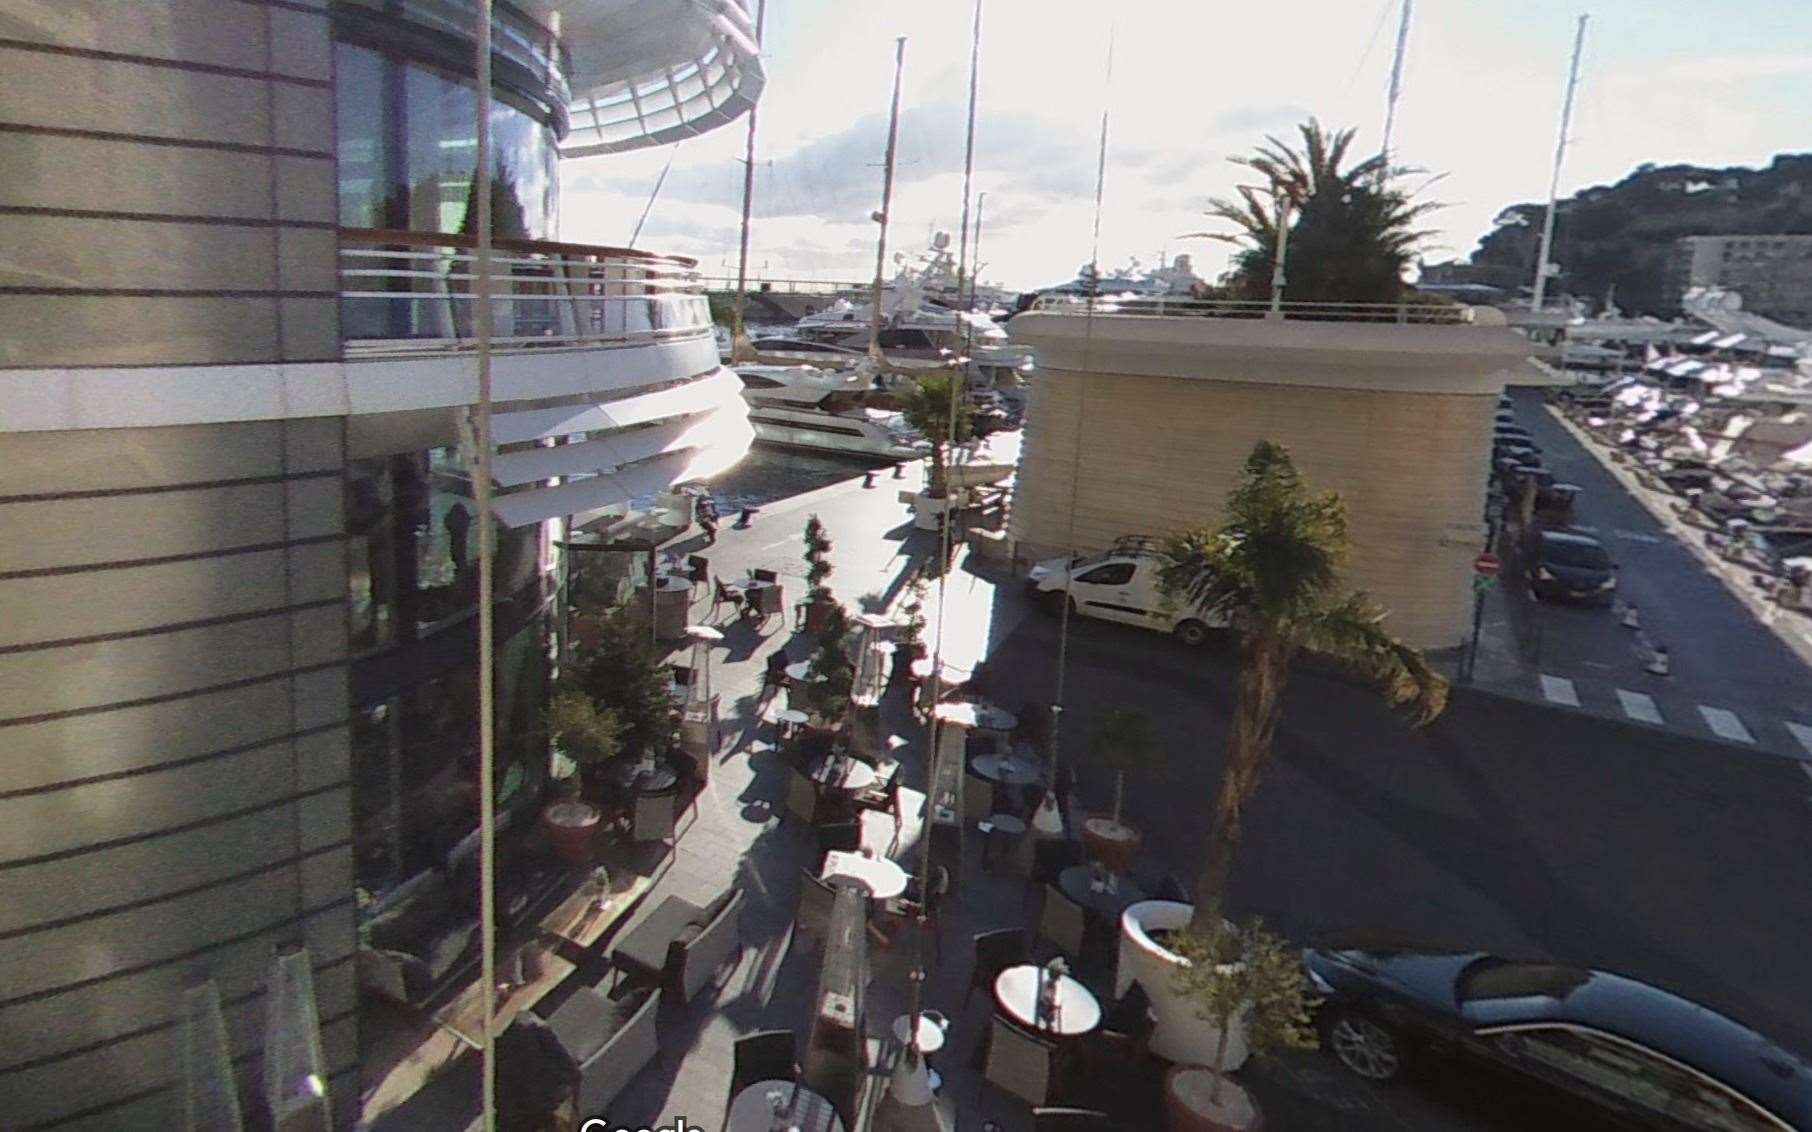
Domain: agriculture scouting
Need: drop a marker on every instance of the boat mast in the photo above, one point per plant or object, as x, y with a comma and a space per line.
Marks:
740, 349
962, 244
881, 217
981, 199
1560, 152
1396, 88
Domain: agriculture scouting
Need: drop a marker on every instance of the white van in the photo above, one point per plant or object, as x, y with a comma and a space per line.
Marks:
1121, 585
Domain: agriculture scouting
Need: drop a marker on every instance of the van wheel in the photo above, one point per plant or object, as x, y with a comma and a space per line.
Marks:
1192, 633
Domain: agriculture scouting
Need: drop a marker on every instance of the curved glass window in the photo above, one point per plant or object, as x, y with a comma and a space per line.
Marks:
407, 146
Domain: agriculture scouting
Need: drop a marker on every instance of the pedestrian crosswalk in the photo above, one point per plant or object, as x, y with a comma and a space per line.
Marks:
1751, 728
1639, 706
1559, 690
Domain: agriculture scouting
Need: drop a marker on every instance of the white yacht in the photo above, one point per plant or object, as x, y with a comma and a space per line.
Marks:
826, 410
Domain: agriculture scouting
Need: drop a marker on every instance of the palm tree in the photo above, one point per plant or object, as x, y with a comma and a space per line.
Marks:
926, 403
1353, 233
1272, 570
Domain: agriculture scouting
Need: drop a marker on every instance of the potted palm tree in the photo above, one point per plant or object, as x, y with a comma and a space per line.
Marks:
927, 404
1235, 972
1272, 570
818, 599
832, 674
1122, 740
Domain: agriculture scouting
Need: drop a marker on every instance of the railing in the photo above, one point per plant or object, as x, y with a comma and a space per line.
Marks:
786, 286
1165, 306
409, 292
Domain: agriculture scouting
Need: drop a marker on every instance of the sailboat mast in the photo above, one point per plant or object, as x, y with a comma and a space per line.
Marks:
981, 201
737, 334
962, 244
893, 137
1560, 152
1396, 88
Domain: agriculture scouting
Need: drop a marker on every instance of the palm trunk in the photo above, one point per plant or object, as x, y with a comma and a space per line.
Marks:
1119, 793
1263, 671
936, 488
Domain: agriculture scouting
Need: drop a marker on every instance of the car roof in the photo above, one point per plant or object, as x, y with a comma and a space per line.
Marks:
1571, 538
1675, 1027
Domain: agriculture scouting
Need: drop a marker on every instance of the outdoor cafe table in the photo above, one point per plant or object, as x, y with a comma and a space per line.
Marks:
633, 777
752, 1111
992, 718
884, 879
1076, 883
840, 772
1007, 769
800, 672
1016, 993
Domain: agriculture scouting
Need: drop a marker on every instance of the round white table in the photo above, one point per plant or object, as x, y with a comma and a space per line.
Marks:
800, 672
1016, 992
885, 880
995, 718
1008, 769
752, 1111
931, 1032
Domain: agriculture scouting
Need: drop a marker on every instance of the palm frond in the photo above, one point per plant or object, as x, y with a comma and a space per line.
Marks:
1203, 568
1351, 633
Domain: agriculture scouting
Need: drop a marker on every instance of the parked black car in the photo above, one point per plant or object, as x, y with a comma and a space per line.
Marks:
1566, 565
1594, 1041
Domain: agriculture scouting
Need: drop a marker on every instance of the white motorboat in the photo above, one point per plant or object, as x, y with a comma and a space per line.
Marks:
826, 410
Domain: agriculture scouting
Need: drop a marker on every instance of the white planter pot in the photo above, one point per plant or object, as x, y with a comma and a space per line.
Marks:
926, 511
1181, 1036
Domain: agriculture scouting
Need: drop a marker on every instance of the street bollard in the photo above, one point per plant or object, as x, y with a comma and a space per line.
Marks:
868, 479
899, 471
1657, 661
1632, 618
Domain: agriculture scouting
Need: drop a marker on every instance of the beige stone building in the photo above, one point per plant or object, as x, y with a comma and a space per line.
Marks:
1139, 424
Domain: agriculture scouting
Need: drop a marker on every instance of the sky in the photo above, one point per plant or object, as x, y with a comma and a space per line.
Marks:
1193, 82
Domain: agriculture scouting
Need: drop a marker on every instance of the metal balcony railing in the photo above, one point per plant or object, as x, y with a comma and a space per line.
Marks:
1167, 306
788, 286
412, 292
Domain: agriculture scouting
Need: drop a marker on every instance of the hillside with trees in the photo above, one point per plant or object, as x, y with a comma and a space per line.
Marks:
1620, 235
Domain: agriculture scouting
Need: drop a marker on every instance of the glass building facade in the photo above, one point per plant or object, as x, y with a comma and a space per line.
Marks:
406, 150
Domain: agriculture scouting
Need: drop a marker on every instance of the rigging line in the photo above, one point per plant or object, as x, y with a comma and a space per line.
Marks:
944, 549
481, 500
655, 195
1370, 45
1088, 342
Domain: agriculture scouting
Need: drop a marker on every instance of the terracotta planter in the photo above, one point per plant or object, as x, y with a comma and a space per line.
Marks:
818, 613
1113, 844
1187, 1108
571, 826
1182, 1035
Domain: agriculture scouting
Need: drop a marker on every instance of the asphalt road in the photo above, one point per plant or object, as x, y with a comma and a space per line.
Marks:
1506, 825
1720, 654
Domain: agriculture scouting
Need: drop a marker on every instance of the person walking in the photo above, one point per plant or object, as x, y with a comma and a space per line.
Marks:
706, 511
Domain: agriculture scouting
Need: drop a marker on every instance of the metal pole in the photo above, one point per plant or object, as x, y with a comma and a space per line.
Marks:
893, 137
1396, 88
1478, 619
737, 333
481, 494
1560, 152
962, 254
1277, 257
981, 199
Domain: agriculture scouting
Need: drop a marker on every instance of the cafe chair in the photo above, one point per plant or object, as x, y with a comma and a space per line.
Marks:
1071, 1120
995, 951
816, 899
698, 568
1061, 923
842, 836
1049, 857
1170, 888
801, 796
930, 902
1019, 1062
773, 676
653, 817
724, 595
764, 575
978, 798
766, 1055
